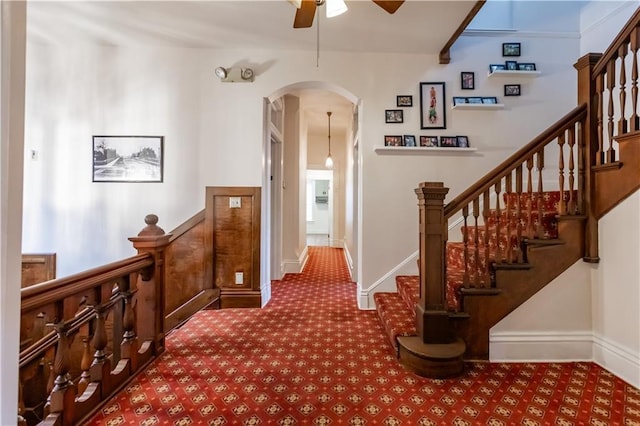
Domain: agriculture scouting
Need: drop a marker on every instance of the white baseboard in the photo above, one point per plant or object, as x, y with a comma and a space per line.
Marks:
388, 281
618, 360
265, 294
295, 266
540, 346
348, 259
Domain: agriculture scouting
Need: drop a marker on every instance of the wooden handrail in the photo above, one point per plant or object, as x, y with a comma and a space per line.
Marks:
518, 157
621, 38
444, 56
50, 291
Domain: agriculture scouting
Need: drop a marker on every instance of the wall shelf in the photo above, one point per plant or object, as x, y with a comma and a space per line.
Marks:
514, 73
478, 106
420, 150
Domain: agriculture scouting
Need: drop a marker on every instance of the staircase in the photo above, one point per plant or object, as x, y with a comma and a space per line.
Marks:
522, 224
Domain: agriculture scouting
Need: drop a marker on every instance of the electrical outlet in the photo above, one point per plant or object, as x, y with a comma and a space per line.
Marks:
239, 278
235, 202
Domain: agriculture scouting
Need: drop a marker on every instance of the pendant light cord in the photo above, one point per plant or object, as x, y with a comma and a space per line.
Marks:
318, 38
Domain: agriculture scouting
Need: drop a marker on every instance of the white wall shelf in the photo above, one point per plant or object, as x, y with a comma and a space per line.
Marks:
478, 106
420, 150
514, 73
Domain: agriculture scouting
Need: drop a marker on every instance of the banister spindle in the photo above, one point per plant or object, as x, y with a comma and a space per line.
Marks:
529, 229
611, 75
635, 44
561, 143
571, 202
600, 119
465, 243
63, 393
476, 242
486, 211
622, 122
540, 167
509, 215
498, 190
519, 212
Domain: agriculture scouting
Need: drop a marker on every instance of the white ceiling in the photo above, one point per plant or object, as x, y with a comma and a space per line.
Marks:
419, 26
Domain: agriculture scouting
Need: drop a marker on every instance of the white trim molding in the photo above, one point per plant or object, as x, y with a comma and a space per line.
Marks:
540, 346
295, 266
621, 361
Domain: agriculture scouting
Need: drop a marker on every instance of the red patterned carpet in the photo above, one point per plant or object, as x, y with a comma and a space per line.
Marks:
311, 357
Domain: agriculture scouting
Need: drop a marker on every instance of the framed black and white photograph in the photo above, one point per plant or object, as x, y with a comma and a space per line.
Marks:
393, 116
432, 111
409, 140
510, 49
404, 101
462, 141
467, 80
429, 141
526, 66
511, 65
128, 158
458, 100
393, 140
474, 100
496, 67
448, 141
512, 90
489, 100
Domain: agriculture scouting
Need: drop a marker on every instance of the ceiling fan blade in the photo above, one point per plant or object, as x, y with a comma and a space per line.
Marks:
389, 5
305, 14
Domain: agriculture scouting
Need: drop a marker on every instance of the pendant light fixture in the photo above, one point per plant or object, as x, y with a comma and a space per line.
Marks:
329, 162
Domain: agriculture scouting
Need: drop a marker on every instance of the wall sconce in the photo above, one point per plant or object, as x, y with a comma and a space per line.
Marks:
234, 75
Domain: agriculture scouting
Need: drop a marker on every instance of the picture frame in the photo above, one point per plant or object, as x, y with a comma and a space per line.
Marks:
409, 140
128, 158
512, 90
496, 67
457, 100
448, 141
393, 116
474, 100
511, 49
429, 141
526, 66
393, 140
462, 141
432, 108
467, 80
489, 100
511, 65
404, 101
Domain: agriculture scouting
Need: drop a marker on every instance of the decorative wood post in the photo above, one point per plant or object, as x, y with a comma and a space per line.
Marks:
432, 318
150, 304
589, 151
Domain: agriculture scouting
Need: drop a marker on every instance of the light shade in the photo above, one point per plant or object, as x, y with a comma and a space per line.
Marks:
335, 8
221, 72
329, 162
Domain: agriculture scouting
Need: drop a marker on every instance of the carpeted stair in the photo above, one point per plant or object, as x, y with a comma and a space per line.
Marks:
396, 310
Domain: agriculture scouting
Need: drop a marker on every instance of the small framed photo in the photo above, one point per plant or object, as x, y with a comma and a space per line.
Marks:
511, 65
526, 66
512, 90
432, 108
409, 140
474, 100
429, 141
496, 67
462, 141
510, 49
393, 140
404, 101
467, 80
448, 141
128, 158
489, 100
457, 100
393, 116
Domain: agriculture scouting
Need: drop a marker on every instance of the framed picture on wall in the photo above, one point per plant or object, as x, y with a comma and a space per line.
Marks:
393, 116
432, 110
404, 100
467, 80
393, 140
128, 158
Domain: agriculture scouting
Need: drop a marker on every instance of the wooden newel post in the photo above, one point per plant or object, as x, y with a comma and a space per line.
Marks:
150, 296
432, 318
589, 152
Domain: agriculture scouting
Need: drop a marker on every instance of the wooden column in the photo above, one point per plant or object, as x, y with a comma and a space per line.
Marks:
588, 151
432, 319
150, 306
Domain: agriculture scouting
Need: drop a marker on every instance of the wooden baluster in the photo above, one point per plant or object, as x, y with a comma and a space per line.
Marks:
622, 122
129, 346
486, 211
529, 230
101, 366
498, 188
539, 228
600, 119
85, 365
509, 214
519, 213
582, 155
611, 76
465, 244
476, 242
561, 142
635, 44
63, 394
571, 202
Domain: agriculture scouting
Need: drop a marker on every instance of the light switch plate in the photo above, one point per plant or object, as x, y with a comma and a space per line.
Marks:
239, 278
235, 202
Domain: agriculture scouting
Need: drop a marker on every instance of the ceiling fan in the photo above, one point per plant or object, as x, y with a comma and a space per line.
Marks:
307, 9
